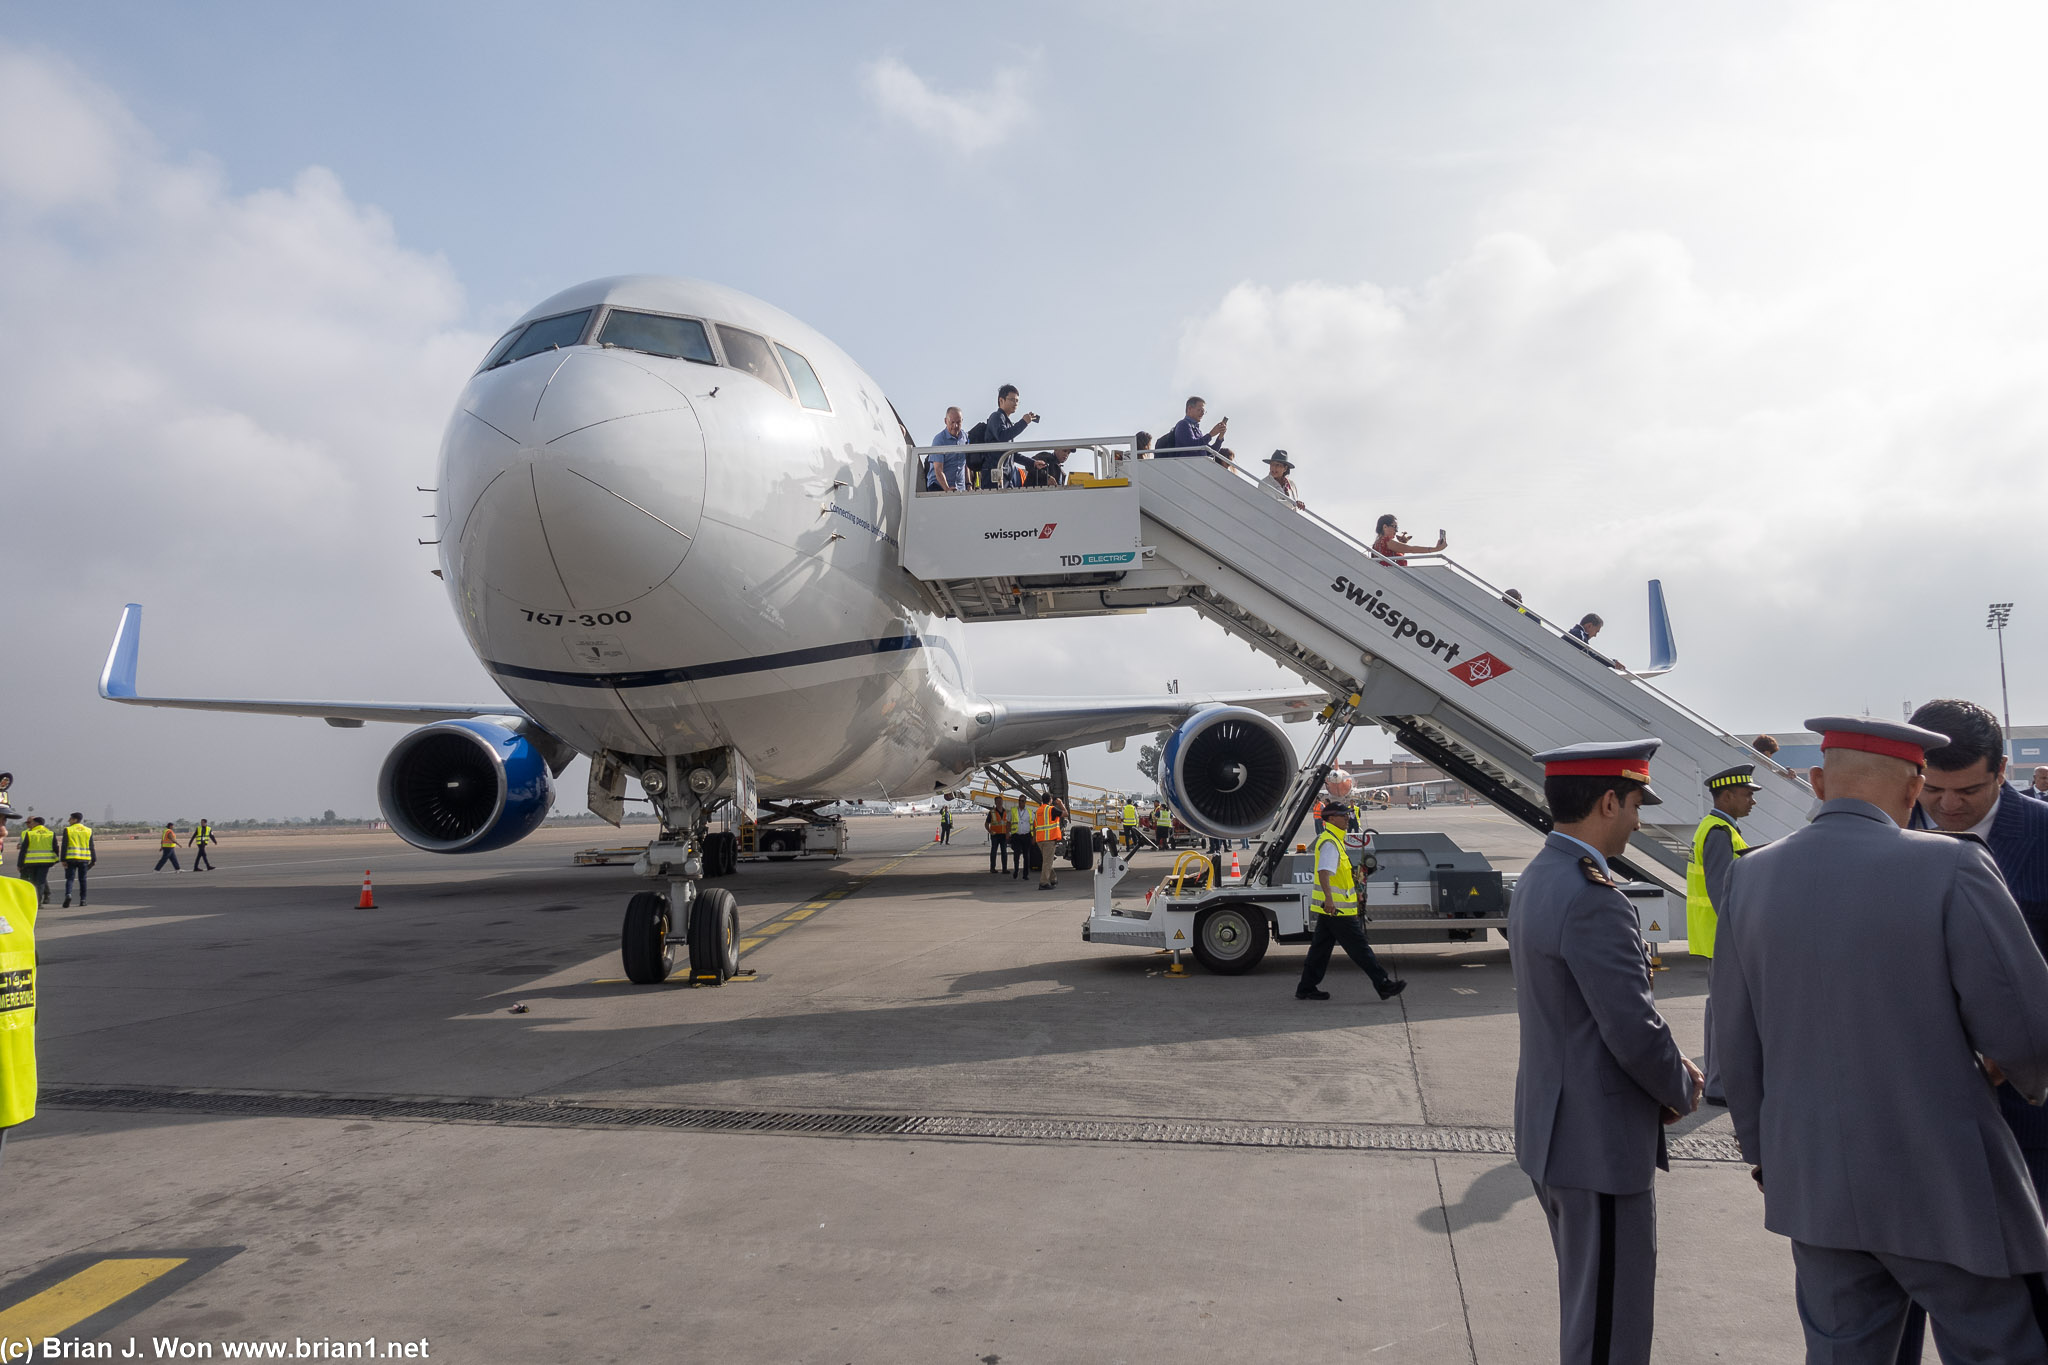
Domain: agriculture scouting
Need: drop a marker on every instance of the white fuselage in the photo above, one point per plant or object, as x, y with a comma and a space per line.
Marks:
655, 555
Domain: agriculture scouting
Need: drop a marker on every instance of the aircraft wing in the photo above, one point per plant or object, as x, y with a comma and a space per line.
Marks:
1024, 726
117, 683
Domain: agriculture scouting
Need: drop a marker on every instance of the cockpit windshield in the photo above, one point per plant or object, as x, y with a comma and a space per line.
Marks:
746, 351
683, 338
545, 334
809, 391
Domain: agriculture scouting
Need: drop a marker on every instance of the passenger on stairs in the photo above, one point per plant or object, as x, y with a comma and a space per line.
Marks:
1585, 632
1277, 484
1188, 438
1390, 542
947, 473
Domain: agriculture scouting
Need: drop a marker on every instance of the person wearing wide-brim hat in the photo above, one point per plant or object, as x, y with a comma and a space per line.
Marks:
1716, 843
1277, 482
1872, 986
1599, 1073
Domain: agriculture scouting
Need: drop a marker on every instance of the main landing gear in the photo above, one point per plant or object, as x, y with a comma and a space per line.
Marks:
711, 923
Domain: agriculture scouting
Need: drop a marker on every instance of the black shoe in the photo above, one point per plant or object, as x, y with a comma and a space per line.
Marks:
1720, 1100
1311, 995
67, 902
1391, 989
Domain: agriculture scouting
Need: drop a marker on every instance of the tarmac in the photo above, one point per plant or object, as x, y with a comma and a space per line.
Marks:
932, 1125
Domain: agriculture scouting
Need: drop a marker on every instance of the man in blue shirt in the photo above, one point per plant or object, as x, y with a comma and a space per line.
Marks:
947, 473
1187, 437
1005, 425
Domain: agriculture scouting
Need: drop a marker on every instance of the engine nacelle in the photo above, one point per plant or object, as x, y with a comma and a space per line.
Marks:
465, 786
1226, 771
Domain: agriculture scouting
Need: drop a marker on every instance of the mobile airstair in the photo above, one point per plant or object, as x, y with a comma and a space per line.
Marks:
1460, 676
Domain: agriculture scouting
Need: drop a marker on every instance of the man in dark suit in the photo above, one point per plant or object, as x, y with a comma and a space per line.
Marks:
1872, 984
1599, 1070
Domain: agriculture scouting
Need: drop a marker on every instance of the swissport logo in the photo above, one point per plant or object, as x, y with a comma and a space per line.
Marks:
1404, 627
1023, 533
1483, 668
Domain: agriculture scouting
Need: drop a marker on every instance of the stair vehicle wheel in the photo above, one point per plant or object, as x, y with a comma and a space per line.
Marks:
715, 935
720, 855
778, 841
1230, 940
1081, 849
643, 943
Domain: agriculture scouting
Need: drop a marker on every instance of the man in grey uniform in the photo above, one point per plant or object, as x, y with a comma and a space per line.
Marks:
1871, 985
1600, 1072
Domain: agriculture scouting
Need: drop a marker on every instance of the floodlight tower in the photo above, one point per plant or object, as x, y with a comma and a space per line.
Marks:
2001, 612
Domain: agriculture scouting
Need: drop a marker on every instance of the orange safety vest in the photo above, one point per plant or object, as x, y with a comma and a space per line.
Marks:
999, 821
1045, 822
170, 838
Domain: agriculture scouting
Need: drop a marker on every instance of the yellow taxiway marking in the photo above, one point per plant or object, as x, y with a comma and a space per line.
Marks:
804, 913
747, 943
817, 905
775, 928
92, 1290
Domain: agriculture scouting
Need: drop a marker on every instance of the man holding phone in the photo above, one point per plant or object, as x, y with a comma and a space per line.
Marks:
1187, 437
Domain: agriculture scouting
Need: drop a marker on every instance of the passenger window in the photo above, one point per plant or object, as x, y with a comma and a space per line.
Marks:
809, 391
546, 335
745, 351
682, 338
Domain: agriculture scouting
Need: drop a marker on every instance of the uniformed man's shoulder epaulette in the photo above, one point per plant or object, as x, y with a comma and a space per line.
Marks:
1593, 872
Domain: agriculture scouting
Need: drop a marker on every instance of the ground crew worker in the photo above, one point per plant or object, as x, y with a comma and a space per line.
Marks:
1335, 912
945, 825
167, 850
1882, 1154
17, 1005
38, 853
1715, 846
1599, 1071
202, 835
1045, 832
1162, 825
1022, 849
75, 848
997, 823
1130, 827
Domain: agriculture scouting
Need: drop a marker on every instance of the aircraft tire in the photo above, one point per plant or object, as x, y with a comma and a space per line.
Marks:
1081, 850
721, 855
715, 935
643, 942
1230, 940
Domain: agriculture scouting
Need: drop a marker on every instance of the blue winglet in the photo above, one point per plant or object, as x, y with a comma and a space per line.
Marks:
117, 679
1663, 644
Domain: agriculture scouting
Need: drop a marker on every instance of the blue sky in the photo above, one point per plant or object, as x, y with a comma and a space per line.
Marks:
1747, 299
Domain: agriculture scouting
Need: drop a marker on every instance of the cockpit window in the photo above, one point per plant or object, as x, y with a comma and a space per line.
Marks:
497, 352
545, 335
746, 351
809, 391
655, 334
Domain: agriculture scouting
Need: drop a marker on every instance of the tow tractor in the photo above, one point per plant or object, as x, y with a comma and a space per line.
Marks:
1420, 887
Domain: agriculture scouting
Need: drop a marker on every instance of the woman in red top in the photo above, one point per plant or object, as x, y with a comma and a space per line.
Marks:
1389, 543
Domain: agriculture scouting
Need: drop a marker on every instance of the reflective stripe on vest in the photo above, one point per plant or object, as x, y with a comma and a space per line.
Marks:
169, 839
17, 1002
78, 843
1343, 890
204, 834
38, 845
1163, 818
1700, 920
1130, 817
1045, 822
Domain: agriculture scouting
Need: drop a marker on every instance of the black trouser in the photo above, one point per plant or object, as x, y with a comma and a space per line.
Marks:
1331, 930
77, 870
169, 855
1021, 849
998, 848
199, 856
38, 876
1164, 836
1131, 839
945, 833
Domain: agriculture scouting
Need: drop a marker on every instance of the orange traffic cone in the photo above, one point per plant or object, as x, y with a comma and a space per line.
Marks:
1234, 873
367, 902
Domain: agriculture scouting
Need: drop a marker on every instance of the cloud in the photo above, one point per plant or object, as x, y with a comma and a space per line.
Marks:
1806, 470
217, 404
966, 122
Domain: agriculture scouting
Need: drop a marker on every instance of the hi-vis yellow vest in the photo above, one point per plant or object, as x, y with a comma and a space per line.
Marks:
1130, 816
78, 843
1343, 890
1163, 818
1700, 919
169, 839
204, 834
17, 1002
38, 845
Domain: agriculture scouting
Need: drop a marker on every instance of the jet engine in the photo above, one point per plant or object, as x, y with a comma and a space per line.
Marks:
1226, 771
465, 786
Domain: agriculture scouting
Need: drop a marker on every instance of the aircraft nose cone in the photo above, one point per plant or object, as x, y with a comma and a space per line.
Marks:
589, 478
